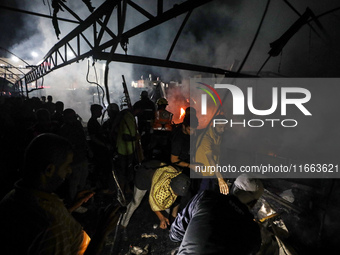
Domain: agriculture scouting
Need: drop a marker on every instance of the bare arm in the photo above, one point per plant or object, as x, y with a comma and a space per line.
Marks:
82, 197
175, 160
224, 189
164, 221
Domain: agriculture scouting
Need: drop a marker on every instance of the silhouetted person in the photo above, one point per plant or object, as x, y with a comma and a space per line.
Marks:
33, 219
43, 125
58, 114
144, 109
100, 147
182, 154
126, 149
110, 126
50, 106
43, 100
161, 132
190, 110
73, 131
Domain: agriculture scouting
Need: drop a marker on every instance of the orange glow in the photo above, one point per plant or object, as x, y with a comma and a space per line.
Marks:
85, 243
182, 113
272, 154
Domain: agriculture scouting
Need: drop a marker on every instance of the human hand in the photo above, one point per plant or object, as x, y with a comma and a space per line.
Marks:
164, 223
224, 189
85, 195
82, 197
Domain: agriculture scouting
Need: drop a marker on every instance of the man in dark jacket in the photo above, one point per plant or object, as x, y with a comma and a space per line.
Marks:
144, 109
213, 223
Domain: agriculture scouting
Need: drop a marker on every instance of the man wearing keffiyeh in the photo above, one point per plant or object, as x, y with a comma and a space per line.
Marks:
165, 184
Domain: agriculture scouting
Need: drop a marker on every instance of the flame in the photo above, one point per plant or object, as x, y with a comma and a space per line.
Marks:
182, 113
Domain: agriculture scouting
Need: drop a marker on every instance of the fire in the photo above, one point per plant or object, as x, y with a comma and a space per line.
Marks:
182, 113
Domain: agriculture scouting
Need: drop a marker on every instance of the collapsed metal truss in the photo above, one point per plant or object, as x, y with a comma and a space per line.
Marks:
76, 46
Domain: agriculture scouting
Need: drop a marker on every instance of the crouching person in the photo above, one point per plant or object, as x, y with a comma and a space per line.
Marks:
213, 223
34, 220
165, 184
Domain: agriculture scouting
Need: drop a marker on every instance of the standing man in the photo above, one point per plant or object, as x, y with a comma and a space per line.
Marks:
101, 148
144, 109
163, 118
50, 106
213, 223
126, 149
110, 126
161, 128
181, 153
73, 131
208, 153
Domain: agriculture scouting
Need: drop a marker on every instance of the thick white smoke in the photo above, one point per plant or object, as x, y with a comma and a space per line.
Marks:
217, 34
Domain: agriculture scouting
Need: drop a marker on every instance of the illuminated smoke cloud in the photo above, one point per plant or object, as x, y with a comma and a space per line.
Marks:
217, 34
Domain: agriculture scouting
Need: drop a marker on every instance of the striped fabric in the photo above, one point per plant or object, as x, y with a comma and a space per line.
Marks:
65, 235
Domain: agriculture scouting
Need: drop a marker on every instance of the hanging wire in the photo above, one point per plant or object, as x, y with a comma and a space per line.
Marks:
255, 37
309, 45
96, 83
279, 67
49, 7
95, 73
264, 63
240, 68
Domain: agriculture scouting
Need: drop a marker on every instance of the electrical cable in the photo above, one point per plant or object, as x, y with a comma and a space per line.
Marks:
240, 68
116, 233
91, 82
95, 72
255, 37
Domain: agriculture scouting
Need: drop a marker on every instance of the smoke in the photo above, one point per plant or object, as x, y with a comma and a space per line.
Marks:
312, 139
217, 34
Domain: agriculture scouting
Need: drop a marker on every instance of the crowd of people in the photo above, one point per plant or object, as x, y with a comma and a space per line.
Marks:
56, 164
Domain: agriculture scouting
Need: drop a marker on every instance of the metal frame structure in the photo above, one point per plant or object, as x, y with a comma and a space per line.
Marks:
12, 76
99, 45
103, 42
